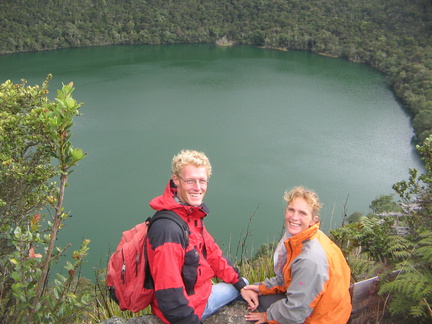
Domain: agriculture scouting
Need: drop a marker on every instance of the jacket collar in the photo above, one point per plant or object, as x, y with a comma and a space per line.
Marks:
305, 235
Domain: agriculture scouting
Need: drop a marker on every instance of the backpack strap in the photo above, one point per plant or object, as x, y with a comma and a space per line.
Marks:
163, 214
168, 214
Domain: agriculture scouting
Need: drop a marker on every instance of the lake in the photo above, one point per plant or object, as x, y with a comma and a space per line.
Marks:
268, 120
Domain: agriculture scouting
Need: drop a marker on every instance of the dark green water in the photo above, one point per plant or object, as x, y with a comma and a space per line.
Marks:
268, 120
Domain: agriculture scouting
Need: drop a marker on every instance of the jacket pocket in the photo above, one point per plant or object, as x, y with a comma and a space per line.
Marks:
189, 270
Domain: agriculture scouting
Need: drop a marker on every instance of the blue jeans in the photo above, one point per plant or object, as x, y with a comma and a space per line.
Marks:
222, 294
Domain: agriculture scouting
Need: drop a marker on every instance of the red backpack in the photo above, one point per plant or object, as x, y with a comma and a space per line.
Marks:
128, 275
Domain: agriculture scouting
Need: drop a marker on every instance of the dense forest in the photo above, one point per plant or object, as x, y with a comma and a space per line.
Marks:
393, 36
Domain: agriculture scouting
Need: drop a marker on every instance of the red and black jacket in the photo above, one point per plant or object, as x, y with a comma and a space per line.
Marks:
182, 277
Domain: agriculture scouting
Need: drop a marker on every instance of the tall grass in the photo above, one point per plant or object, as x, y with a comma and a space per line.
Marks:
253, 266
103, 307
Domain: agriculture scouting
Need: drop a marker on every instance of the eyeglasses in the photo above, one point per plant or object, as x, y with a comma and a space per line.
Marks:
190, 182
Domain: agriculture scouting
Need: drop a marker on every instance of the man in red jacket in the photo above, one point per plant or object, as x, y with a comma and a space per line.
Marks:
182, 277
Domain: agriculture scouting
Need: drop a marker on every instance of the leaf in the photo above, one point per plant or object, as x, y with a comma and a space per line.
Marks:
56, 295
38, 306
17, 232
69, 266
16, 276
71, 273
17, 287
77, 154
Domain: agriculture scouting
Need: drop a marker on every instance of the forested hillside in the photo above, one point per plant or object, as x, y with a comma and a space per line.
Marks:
394, 36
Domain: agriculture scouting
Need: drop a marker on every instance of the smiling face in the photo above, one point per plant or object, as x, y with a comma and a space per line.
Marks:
192, 194
298, 216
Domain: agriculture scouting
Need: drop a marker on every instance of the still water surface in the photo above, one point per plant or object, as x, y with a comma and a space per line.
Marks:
268, 120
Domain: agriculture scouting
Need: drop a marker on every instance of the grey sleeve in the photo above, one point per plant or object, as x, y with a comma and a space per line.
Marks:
274, 282
308, 278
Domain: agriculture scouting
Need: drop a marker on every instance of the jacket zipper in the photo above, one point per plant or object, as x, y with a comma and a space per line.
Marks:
123, 271
136, 263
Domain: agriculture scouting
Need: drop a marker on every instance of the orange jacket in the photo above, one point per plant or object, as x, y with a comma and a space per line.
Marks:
316, 280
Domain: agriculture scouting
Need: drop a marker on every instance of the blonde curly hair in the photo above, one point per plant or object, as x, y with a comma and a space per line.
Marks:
185, 157
310, 196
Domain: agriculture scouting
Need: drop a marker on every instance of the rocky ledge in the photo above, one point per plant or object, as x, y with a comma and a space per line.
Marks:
231, 314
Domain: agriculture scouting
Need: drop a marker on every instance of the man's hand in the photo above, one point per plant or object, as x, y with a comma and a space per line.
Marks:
258, 317
250, 294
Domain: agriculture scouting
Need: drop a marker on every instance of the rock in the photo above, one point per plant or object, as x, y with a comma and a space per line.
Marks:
231, 314
145, 319
115, 320
224, 41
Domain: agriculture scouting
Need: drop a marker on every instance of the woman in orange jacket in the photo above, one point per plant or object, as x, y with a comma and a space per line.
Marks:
312, 277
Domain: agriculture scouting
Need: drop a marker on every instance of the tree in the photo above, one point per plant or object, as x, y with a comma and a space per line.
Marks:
384, 203
35, 147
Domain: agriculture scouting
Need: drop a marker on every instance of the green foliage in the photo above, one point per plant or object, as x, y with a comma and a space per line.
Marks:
424, 250
399, 248
266, 250
354, 217
369, 233
258, 269
104, 307
362, 267
371, 240
384, 204
22, 152
393, 36
35, 147
410, 292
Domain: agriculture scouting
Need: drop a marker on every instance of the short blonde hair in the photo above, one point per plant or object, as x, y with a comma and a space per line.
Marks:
310, 196
186, 157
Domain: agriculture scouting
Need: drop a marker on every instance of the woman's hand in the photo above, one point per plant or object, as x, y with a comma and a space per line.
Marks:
254, 288
258, 317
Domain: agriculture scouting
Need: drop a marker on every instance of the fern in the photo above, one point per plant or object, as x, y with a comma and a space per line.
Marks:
398, 247
362, 267
425, 249
398, 306
410, 292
